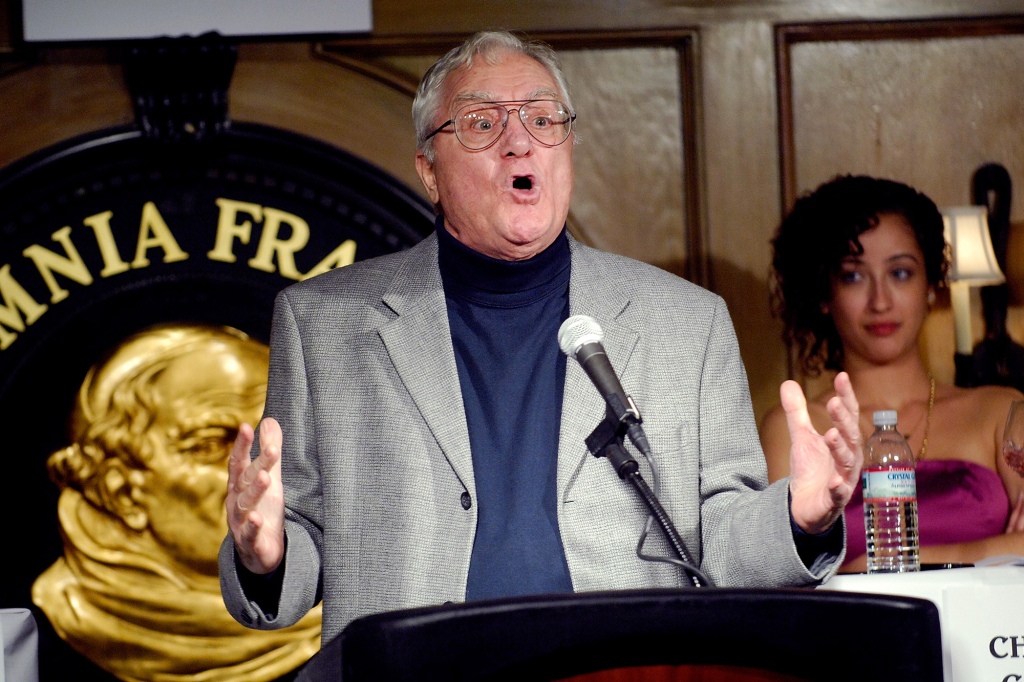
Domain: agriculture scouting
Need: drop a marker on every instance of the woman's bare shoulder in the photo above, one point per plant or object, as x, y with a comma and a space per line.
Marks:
983, 402
972, 420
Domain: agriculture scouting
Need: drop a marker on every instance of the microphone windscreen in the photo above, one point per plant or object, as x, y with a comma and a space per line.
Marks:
576, 331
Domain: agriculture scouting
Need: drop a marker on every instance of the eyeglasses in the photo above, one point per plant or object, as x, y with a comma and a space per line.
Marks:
479, 125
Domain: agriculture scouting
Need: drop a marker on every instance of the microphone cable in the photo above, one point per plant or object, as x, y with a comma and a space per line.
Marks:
658, 513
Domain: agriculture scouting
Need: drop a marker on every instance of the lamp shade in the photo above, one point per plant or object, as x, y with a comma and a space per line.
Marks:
973, 258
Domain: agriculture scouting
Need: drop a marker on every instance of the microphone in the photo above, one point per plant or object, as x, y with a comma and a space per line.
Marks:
581, 337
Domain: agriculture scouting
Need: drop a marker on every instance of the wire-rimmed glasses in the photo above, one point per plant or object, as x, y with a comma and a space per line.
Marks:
479, 125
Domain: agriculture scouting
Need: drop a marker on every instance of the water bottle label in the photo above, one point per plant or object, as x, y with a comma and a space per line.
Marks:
889, 484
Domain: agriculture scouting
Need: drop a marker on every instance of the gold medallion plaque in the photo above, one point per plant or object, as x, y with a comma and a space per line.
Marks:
137, 281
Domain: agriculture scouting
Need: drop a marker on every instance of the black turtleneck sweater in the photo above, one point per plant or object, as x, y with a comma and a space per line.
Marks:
504, 318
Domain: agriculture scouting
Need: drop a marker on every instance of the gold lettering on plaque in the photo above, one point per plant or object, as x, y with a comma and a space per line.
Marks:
229, 229
71, 266
15, 299
154, 233
284, 248
283, 235
344, 255
112, 263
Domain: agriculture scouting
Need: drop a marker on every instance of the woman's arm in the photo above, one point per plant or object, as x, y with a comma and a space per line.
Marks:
975, 551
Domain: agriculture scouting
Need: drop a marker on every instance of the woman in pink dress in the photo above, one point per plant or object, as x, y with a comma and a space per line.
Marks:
856, 264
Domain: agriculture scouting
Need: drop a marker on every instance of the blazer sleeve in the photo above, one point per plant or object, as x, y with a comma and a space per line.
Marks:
288, 402
746, 534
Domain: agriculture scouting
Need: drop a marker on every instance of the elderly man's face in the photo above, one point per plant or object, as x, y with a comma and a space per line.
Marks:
508, 201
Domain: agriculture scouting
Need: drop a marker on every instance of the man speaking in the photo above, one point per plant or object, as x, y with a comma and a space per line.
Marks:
424, 436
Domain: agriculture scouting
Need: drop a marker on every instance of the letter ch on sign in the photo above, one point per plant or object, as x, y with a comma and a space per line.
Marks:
1007, 646
281, 237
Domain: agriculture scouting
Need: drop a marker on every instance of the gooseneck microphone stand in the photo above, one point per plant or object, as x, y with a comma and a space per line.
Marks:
607, 441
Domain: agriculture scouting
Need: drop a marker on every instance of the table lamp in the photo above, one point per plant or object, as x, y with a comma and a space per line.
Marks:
972, 264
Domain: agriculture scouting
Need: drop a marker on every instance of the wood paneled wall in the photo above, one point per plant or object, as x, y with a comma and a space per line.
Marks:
700, 120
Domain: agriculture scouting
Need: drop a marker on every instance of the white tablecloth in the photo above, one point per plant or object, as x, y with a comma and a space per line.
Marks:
981, 611
19, 653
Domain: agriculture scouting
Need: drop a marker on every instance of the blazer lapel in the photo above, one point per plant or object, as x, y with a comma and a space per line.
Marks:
419, 343
582, 406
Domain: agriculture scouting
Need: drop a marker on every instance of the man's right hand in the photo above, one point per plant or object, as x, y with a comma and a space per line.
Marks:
255, 501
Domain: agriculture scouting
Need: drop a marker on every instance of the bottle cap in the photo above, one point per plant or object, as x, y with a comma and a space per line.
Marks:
884, 418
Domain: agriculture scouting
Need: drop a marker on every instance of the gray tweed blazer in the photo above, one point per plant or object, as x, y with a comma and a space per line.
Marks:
376, 458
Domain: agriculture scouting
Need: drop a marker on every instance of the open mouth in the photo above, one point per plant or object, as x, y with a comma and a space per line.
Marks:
522, 182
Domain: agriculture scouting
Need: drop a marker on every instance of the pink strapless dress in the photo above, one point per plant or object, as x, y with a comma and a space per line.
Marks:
957, 501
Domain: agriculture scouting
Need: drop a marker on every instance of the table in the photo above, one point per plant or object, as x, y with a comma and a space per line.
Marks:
981, 611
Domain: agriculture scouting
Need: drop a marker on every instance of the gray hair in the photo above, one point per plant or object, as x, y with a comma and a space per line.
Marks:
491, 46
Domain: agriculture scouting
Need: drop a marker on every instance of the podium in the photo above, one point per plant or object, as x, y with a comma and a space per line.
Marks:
806, 634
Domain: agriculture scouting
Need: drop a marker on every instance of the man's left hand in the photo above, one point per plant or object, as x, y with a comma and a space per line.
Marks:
824, 468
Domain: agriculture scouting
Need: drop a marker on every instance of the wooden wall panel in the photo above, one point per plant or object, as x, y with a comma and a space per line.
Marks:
44, 104
925, 103
629, 194
739, 149
724, 164
294, 88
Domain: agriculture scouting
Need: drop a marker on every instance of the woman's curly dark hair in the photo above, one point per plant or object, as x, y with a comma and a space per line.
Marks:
822, 229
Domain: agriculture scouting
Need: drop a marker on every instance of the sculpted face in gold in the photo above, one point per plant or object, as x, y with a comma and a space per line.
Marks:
155, 424
200, 398
142, 513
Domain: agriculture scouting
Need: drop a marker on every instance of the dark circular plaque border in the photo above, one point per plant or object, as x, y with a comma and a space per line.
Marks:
339, 197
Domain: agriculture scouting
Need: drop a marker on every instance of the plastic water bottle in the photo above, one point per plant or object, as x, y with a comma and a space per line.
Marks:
890, 499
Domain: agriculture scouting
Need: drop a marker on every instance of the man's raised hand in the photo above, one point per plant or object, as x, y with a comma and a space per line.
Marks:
255, 500
824, 467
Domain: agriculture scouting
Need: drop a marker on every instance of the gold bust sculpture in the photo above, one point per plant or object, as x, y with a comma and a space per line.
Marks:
141, 511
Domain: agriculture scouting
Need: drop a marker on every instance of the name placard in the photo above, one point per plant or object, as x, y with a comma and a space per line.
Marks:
981, 611
985, 628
